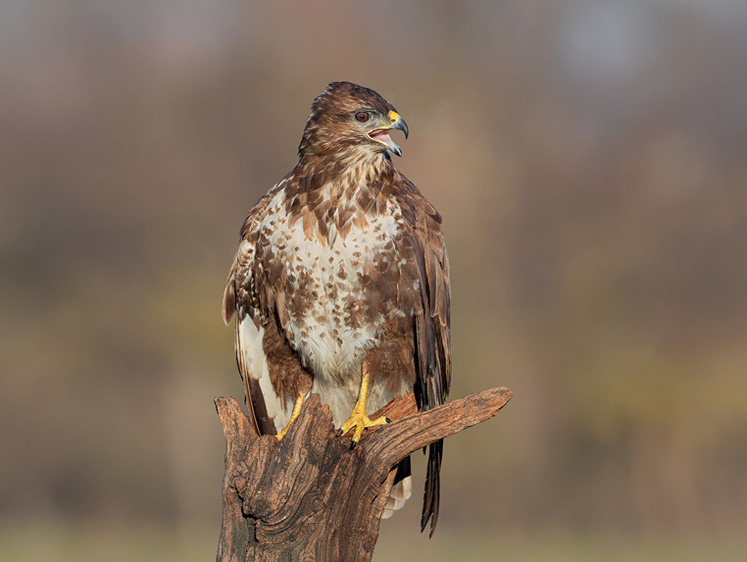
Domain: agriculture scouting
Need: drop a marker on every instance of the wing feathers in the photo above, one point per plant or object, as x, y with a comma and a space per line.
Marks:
432, 332
239, 298
228, 307
432, 494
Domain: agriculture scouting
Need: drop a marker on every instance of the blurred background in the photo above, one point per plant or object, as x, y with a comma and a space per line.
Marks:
589, 158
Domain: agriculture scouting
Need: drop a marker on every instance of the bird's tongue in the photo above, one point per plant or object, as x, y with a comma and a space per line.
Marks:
382, 135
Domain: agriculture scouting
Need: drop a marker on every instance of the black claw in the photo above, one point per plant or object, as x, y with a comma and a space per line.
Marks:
353, 444
388, 420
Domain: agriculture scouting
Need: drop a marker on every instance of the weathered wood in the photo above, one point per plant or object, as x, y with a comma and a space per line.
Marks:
310, 496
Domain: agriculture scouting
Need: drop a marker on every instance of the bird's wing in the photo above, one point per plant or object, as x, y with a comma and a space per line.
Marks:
432, 332
241, 297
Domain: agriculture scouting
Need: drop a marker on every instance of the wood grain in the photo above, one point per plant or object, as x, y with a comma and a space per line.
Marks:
310, 496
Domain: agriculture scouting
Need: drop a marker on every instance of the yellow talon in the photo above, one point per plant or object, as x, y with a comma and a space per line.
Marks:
358, 418
360, 421
294, 415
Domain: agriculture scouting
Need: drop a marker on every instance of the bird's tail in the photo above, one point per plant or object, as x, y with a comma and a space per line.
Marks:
401, 489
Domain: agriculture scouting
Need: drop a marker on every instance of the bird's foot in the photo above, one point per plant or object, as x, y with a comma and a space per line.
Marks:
280, 435
360, 421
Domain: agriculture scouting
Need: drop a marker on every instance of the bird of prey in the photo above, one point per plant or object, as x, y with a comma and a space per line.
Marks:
340, 284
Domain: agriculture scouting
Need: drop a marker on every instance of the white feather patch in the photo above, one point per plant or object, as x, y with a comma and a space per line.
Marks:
400, 493
250, 340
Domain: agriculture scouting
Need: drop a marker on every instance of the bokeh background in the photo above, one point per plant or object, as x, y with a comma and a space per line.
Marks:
590, 161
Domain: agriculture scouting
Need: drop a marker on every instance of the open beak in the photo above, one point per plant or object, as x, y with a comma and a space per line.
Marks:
381, 134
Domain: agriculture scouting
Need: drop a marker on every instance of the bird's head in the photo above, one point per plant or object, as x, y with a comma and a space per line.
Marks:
351, 121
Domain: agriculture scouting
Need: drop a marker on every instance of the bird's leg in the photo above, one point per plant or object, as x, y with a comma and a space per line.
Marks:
294, 415
358, 418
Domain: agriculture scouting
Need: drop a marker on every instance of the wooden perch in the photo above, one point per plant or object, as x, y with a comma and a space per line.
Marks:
310, 496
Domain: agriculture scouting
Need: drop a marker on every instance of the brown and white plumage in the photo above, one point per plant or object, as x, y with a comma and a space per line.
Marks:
342, 268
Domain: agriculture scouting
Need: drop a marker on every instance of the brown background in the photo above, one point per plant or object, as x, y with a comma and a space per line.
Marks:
589, 159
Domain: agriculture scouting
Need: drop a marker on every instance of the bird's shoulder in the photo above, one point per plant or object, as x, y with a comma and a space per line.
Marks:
416, 209
238, 293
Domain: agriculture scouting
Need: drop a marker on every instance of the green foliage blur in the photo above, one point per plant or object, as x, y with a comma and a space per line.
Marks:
589, 159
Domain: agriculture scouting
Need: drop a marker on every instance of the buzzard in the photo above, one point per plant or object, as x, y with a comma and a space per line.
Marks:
340, 284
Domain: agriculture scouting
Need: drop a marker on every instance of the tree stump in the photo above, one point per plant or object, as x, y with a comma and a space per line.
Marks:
310, 496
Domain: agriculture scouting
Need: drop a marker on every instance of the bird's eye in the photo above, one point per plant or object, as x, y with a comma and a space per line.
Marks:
361, 116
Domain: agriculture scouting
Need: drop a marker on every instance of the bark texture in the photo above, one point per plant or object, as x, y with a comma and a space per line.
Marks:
310, 496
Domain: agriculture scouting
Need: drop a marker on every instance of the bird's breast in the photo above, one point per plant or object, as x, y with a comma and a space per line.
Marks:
338, 285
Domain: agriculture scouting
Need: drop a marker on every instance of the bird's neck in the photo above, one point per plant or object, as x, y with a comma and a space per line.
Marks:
343, 177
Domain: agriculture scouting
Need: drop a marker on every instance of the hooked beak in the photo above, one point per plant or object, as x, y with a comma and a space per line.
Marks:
381, 134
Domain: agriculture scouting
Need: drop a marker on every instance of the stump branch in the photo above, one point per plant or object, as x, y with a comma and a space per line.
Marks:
310, 496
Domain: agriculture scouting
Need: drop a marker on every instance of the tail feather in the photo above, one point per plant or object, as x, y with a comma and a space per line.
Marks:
431, 498
401, 489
